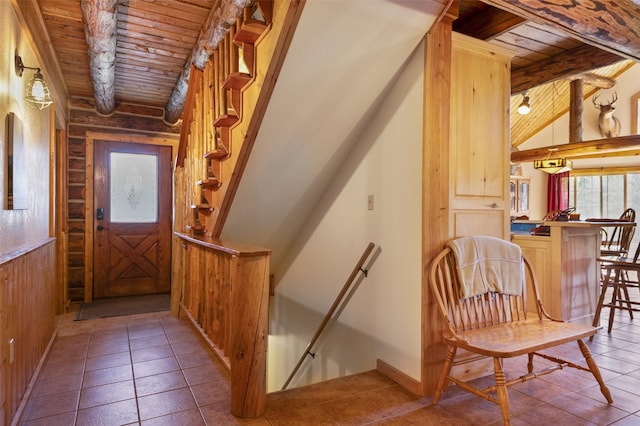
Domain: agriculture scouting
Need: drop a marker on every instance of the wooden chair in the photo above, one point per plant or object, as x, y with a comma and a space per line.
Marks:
616, 277
497, 325
621, 236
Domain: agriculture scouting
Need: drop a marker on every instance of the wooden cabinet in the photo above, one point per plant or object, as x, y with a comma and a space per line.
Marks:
519, 195
480, 138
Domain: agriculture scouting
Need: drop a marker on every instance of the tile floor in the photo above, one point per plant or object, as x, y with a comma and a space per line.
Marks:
154, 369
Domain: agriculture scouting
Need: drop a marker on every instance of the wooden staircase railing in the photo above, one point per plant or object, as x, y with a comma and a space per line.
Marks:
212, 280
224, 108
225, 294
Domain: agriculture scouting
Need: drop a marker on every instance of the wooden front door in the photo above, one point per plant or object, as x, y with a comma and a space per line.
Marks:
132, 219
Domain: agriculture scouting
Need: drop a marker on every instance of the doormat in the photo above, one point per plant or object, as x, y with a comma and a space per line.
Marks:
119, 306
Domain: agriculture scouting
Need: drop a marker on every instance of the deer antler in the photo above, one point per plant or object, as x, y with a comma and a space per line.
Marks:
594, 100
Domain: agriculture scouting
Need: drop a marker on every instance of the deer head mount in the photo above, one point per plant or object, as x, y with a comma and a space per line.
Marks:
608, 124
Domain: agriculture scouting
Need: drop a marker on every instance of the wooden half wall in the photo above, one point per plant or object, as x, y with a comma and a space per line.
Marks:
27, 319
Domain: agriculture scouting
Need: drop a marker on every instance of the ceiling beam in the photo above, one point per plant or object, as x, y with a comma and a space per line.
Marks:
610, 25
100, 21
591, 149
565, 65
222, 16
488, 24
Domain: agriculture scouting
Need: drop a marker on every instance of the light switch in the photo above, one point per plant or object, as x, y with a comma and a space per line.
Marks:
370, 202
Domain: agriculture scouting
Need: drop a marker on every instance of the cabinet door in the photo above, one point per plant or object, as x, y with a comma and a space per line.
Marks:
523, 196
480, 144
513, 197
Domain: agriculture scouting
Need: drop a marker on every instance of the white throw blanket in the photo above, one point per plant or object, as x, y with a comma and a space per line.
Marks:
486, 264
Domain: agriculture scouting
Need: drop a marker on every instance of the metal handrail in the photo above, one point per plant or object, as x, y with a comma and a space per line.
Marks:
336, 303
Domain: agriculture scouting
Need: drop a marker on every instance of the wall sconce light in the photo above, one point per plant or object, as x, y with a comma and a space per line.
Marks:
525, 106
38, 94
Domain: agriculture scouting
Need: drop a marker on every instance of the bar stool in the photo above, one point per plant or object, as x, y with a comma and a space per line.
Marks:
621, 236
616, 277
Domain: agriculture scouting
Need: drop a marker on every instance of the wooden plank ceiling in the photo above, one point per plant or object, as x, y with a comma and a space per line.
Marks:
155, 40
546, 59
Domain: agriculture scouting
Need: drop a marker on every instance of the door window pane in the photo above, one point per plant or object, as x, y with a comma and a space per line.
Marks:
133, 188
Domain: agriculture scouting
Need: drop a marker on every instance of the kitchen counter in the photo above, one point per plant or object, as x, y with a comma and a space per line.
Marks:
566, 267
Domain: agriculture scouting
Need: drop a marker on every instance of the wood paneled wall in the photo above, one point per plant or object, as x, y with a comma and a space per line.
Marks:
128, 119
27, 316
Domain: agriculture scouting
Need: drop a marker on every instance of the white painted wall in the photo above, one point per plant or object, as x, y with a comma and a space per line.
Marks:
627, 85
382, 318
21, 228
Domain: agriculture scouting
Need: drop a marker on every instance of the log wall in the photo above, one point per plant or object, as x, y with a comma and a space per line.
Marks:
27, 316
128, 119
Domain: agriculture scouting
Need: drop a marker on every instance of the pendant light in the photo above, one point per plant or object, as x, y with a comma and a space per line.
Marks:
553, 165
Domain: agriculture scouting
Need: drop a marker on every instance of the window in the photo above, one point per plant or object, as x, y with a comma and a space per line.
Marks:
605, 193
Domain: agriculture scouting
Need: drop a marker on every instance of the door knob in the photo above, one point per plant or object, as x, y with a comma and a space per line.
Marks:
100, 227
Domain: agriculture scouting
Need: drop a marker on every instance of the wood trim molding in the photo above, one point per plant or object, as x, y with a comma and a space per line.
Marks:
91, 137
407, 382
88, 222
635, 99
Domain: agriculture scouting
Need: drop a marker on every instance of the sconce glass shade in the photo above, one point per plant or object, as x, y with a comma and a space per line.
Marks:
525, 106
38, 95
553, 165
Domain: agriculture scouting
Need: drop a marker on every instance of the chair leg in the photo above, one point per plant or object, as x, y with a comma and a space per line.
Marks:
623, 285
593, 367
501, 390
613, 305
530, 363
446, 369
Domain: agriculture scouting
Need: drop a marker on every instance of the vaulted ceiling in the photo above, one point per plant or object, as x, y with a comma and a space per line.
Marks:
155, 41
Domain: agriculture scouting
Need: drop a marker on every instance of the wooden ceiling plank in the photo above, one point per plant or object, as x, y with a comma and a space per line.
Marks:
156, 20
100, 30
487, 24
577, 61
214, 31
612, 26
184, 12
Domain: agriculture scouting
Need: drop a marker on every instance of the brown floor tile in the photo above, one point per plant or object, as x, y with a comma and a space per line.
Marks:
150, 353
108, 348
189, 417
106, 361
211, 392
155, 366
198, 375
64, 419
49, 385
160, 383
51, 405
105, 376
595, 411
149, 341
117, 413
162, 404
106, 394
